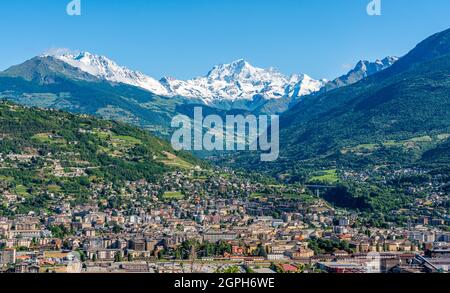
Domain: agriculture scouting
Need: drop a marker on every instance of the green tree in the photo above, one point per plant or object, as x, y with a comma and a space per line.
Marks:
118, 257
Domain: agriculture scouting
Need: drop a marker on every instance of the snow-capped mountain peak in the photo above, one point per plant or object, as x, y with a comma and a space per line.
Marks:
239, 69
303, 84
239, 80
373, 67
362, 70
109, 70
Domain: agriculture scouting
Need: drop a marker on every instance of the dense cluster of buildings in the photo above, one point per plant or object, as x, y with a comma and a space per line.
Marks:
144, 227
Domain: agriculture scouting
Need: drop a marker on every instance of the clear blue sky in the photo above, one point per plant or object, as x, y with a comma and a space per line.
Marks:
185, 38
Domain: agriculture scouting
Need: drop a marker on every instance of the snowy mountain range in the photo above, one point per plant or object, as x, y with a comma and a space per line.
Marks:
234, 85
235, 81
241, 81
95, 85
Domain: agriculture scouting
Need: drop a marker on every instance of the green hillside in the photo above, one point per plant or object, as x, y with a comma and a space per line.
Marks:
44, 152
400, 104
440, 154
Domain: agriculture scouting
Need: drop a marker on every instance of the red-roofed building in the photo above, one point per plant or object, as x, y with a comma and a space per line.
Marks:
288, 268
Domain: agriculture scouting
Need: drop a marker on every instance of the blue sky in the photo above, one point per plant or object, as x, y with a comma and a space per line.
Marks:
185, 38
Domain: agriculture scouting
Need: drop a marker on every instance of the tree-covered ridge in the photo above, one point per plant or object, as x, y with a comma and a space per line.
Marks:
48, 152
412, 104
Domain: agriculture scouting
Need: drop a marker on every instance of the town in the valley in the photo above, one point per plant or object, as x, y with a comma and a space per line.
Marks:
218, 221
